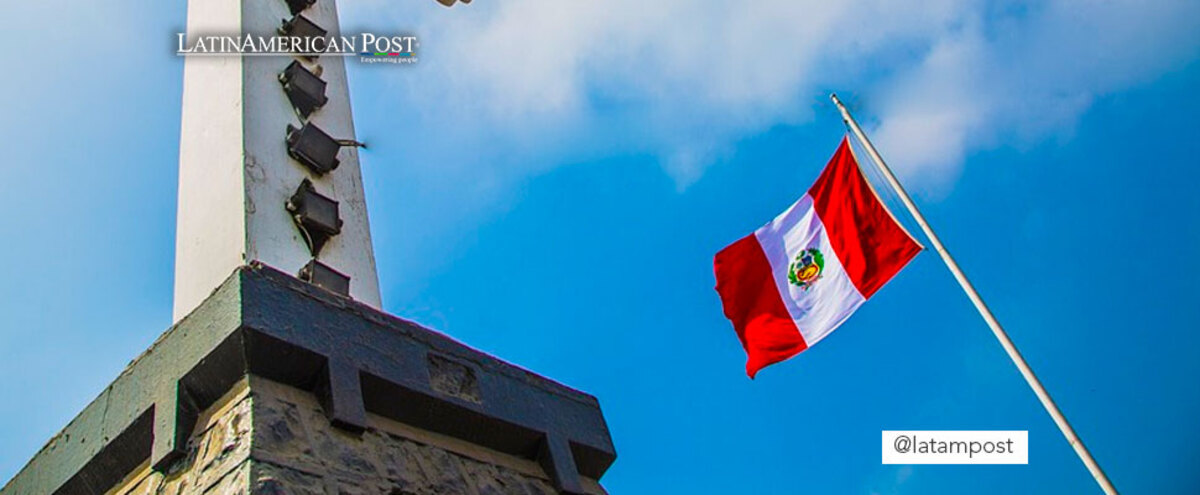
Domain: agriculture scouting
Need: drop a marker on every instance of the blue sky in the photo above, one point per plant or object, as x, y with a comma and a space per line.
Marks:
550, 182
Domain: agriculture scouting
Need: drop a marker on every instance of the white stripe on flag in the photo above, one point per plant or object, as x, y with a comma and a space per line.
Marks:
820, 308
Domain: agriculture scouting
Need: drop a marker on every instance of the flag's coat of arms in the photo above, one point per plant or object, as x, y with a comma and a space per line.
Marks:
806, 269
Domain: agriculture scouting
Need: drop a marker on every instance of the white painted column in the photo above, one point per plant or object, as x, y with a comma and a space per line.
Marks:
235, 175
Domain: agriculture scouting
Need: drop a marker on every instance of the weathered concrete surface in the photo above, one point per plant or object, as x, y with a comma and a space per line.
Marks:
234, 171
361, 366
267, 438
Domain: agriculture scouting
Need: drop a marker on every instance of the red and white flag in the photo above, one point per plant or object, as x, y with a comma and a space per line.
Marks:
793, 281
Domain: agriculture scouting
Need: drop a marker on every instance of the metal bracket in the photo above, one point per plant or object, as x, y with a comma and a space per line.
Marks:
313, 147
298, 5
304, 89
321, 275
315, 215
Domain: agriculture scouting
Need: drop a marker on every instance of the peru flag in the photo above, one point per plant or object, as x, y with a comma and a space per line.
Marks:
793, 281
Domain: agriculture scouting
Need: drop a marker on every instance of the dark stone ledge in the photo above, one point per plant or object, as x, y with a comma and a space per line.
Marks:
356, 359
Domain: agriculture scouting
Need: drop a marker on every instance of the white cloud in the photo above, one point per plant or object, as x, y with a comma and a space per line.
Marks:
541, 82
1026, 75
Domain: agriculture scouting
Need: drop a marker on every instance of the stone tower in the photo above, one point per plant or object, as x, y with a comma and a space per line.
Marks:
281, 375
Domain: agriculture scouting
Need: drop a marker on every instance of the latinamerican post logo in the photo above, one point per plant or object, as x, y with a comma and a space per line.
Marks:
369, 47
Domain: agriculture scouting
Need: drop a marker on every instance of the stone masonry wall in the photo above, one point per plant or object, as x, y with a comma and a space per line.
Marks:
218, 460
270, 439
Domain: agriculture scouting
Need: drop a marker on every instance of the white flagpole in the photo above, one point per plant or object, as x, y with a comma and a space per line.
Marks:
1007, 343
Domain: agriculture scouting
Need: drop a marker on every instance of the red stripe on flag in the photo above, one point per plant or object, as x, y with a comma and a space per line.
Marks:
870, 244
752, 302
